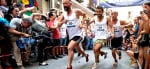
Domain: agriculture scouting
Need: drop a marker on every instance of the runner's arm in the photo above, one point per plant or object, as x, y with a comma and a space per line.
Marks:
110, 27
126, 24
61, 20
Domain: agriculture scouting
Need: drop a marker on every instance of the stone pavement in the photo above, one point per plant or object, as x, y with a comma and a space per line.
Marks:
79, 62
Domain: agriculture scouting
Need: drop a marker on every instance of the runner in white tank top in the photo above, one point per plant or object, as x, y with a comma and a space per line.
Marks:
101, 24
117, 29
71, 18
73, 25
117, 40
100, 28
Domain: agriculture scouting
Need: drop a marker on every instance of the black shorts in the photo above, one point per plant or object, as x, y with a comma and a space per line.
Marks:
146, 40
116, 42
78, 39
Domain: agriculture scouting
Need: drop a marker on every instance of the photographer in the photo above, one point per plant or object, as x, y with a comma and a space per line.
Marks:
40, 28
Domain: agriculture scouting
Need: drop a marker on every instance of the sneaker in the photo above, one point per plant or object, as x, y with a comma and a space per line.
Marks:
69, 67
115, 63
94, 66
43, 64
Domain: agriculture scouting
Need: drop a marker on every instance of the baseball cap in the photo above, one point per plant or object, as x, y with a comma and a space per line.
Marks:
28, 20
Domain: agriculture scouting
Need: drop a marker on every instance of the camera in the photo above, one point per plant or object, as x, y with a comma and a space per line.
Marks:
44, 37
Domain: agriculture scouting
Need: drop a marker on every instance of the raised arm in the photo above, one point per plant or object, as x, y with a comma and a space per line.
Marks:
126, 24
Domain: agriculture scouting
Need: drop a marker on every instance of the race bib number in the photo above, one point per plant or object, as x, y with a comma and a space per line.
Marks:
116, 29
71, 23
100, 28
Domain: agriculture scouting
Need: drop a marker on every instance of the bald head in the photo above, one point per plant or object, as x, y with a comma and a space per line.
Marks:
114, 14
66, 1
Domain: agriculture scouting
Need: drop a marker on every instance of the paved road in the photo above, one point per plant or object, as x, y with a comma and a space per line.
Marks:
79, 62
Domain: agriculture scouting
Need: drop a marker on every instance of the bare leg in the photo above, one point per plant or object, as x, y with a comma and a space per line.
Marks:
131, 55
71, 46
119, 54
141, 56
114, 56
78, 48
96, 50
146, 56
103, 53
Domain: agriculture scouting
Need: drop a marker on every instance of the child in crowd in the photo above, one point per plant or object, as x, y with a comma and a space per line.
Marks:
131, 48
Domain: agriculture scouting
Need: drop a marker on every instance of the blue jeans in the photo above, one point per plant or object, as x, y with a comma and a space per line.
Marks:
63, 41
91, 43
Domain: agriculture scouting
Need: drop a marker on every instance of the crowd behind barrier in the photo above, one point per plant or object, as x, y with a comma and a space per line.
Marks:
24, 31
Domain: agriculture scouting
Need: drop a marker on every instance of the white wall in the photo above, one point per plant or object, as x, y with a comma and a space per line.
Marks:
123, 11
